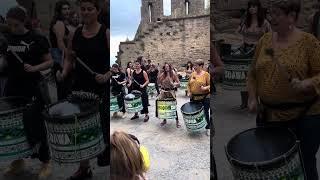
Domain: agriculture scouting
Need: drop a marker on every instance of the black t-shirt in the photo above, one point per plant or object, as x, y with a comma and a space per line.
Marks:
120, 77
30, 47
153, 75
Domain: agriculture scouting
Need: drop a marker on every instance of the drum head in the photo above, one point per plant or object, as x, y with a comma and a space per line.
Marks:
261, 144
11, 103
191, 107
66, 108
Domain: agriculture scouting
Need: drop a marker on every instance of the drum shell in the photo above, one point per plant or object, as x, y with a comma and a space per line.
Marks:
114, 107
195, 121
151, 88
235, 73
184, 83
12, 126
133, 105
75, 138
169, 113
288, 165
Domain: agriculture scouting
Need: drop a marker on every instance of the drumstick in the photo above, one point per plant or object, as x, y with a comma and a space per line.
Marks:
85, 66
17, 56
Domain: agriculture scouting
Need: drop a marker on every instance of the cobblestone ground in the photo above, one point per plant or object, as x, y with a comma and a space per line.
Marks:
229, 121
175, 153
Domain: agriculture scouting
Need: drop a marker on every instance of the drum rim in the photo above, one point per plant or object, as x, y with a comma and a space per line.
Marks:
18, 108
195, 112
48, 117
262, 163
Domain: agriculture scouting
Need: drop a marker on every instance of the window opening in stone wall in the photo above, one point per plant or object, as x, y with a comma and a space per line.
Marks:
206, 4
187, 4
150, 12
167, 7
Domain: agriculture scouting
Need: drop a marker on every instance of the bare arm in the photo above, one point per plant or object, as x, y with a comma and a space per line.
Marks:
59, 30
145, 75
69, 60
46, 64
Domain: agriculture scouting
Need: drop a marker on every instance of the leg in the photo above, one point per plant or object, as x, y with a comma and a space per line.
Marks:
157, 88
83, 172
206, 106
308, 129
145, 103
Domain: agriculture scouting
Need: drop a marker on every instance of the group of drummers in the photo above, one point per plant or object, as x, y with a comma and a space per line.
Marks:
282, 87
27, 55
146, 79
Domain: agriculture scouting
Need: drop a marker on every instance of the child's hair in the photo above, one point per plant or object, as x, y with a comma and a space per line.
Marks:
126, 159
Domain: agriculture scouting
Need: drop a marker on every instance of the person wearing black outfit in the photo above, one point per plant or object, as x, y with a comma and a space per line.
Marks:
23, 81
139, 81
118, 81
153, 76
90, 44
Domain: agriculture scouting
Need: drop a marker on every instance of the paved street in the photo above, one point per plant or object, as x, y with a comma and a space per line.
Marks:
229, 121
175, 153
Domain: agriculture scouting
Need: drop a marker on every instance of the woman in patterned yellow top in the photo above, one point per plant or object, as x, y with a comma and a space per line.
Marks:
284, 81
199, 89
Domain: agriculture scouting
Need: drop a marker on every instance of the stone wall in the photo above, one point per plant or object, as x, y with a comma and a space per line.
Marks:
226, 17
175, 41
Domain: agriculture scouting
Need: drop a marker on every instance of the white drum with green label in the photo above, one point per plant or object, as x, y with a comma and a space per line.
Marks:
151, 88
13, 140
114, 107
74, 129
133, 102
235, 73
167, 108
193, 116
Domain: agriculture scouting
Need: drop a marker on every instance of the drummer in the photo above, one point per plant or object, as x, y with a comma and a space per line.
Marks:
153, 76
199, 89
23, 81
118, 81
129, 71
287, 93
90, 43
252, 29
139, 82
168, 81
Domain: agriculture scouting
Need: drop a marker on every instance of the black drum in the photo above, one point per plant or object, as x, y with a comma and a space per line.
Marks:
265, 153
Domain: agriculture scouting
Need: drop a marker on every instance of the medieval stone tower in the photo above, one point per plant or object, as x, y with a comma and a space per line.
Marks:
182, 36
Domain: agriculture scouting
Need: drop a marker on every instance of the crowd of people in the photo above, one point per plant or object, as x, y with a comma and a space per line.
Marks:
166, 79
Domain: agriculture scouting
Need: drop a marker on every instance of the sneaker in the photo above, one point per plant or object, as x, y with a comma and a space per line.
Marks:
16, 167
81, 174
208, 132
45, 172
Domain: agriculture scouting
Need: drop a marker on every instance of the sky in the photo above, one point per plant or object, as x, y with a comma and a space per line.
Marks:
125, 19
5, 5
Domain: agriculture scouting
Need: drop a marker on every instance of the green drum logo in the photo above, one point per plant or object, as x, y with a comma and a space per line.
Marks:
184, 83
167, 109
114, 104
134, 105
196, 122
13, 141
235, 74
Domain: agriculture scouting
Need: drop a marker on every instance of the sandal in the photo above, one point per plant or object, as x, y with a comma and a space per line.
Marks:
146, 118
164, 122
135, 117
